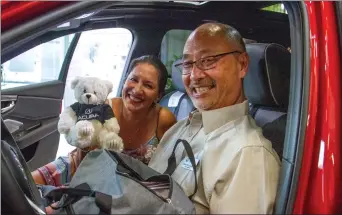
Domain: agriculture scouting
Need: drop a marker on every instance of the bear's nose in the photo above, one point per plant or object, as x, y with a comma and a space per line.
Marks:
88, 96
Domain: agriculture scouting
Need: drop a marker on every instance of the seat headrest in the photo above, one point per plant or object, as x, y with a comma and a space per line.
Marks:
267, 82
177, 81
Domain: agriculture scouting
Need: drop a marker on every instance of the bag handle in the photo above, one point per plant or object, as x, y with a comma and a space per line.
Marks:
102, 200
74, 194
56, 194
171, 166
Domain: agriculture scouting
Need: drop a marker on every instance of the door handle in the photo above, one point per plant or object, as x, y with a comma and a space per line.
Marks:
7, 108
13, 125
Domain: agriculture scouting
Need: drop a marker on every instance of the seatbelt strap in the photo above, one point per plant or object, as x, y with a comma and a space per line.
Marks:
253, 109
178, 106
174, 101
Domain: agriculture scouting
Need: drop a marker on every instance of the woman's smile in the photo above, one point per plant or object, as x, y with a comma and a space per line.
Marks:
135, 98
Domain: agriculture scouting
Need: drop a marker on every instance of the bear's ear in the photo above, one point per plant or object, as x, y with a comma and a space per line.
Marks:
75, 82
109, 86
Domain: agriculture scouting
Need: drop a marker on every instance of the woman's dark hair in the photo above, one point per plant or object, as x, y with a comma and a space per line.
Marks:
158, 65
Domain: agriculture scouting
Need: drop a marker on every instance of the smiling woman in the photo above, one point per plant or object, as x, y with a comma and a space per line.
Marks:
142, 121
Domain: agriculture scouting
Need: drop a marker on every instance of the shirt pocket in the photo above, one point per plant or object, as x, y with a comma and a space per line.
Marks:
184, 174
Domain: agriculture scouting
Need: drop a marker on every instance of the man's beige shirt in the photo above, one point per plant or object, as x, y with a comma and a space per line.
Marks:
237, 169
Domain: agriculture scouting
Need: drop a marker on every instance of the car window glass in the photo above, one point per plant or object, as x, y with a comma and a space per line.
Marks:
172, 49
39, 64
99, 53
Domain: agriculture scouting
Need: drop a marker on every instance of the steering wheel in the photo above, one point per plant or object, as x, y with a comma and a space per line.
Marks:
19, 194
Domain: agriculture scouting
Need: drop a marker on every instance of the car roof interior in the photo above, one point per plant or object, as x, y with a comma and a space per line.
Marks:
156, 18
247, 17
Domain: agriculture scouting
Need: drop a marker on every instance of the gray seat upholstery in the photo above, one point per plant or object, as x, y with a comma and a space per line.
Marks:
267, 88
178, 102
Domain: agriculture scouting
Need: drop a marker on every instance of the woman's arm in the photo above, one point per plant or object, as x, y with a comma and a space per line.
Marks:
58, 172
166, 120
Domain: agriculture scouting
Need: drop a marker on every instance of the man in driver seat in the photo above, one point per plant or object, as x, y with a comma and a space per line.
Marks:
237, 168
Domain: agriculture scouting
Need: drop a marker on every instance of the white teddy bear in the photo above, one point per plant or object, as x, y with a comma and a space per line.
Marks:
89, 122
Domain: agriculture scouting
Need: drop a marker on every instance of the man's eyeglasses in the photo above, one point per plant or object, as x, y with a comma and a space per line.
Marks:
203, 63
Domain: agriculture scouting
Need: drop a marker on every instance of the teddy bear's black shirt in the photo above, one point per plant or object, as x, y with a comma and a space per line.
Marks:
92, 112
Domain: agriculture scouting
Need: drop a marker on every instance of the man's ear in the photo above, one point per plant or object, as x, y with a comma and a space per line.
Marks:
243, 62
75, 82
109, 86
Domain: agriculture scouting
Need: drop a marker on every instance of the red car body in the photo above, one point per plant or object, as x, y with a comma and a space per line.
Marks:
319, 188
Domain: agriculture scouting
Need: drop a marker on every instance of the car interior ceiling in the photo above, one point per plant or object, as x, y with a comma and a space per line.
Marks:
267, 82
156, 18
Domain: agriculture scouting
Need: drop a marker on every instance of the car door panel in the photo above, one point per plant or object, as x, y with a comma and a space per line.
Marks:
34, 119
27, 106
52, 89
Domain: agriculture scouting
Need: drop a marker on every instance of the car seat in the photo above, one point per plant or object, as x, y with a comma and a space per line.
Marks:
177, 101
267, 88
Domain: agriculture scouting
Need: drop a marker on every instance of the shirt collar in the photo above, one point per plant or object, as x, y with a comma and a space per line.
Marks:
214, 119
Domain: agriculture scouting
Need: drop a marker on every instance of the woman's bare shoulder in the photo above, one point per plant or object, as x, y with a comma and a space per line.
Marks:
117, 100
165, 113
166, 120
115, 103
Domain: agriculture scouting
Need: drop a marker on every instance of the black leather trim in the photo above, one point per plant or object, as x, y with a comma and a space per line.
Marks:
10, 190
268, 78
275, 132
18, 180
